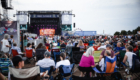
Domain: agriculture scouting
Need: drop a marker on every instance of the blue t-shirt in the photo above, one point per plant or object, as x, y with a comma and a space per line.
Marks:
118, 49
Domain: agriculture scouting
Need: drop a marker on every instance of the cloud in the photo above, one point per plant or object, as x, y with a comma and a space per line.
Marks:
99, 15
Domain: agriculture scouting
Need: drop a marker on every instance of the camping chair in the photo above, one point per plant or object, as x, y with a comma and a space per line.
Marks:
122, 54
135, 66
29, 55
14, 52
76, 57
110, 67
69, 50
25, 74
62, 49
47, 47
54, 50
95, 48
86, 45
56, 56
50, 69
40, 54
4, 64
66, 71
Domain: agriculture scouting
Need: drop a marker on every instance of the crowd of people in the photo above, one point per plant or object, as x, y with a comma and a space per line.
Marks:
109, 45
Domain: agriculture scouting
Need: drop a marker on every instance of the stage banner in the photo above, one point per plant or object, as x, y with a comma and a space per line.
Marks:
66, 18
79, 33
44, 15
8, 27
84, 33
89, 33
67, 33
22, 19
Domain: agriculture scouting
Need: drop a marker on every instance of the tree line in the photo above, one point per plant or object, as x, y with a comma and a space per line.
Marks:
129, 32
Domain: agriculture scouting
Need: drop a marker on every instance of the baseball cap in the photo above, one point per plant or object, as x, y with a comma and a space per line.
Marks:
108, 45
47, 54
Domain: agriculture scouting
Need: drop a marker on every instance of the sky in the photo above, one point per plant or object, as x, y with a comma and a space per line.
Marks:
90, 15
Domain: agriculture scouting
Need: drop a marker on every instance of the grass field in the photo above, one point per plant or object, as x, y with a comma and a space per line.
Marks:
97, 55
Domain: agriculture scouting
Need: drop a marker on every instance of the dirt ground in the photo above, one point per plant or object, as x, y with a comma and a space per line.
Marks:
77, 72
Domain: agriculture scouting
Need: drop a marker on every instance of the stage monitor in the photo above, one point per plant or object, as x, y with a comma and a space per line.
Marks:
66, 19
23, 27
50, 32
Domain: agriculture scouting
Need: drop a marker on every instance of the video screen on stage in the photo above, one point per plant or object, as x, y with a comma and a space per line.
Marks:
47, 32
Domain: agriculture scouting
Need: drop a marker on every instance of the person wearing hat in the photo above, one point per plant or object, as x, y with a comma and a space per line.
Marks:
47, 61
108, 47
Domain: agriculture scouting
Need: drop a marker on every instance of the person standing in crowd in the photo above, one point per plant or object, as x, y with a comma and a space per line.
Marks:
25, 41
44, 39
33, 45
11, 40
5, 45
47, 43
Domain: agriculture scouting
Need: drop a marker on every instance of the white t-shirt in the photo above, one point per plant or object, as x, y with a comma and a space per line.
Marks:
64, 62
4, 43
46, 62
129, 58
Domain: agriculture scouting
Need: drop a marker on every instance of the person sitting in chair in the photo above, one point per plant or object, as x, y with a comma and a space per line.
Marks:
29, 47
128, 57
47, 61
81, 45
16, 48
63, 61
108, 47
87, 61
63, 45
18, 62
102, 63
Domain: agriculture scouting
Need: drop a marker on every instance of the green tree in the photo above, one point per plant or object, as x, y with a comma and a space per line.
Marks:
123, 32
129, 32
134, 32
117, 33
